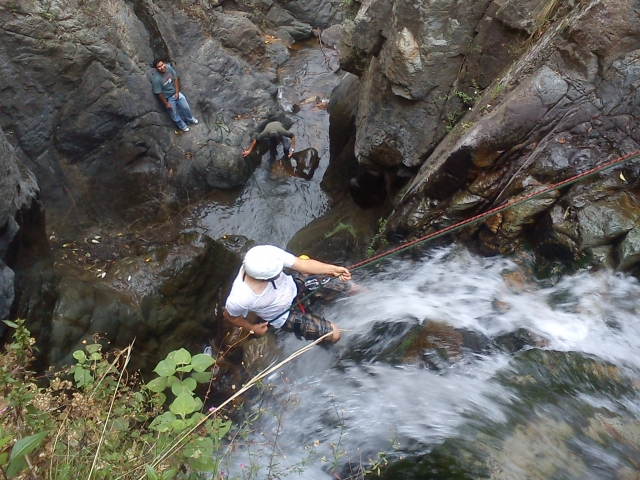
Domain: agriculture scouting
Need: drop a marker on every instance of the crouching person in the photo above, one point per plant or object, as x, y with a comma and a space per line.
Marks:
263, 288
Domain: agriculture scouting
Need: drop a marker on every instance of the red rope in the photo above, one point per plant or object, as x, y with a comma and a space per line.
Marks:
495, 210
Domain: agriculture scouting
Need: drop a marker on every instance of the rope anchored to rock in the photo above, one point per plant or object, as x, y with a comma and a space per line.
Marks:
481, 216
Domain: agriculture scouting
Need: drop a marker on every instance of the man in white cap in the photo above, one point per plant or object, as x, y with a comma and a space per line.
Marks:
263, 288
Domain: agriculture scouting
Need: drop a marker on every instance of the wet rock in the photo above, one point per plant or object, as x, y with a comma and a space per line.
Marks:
285, 20
332, 36
85, 116
342, 236
604, 221
521, 339
518, 15
603, 256
515, 219
368, 189
165, 298
6, 291
381, 342
435, 344
629, 250
238, 33
321, 13
22, 224
464, 201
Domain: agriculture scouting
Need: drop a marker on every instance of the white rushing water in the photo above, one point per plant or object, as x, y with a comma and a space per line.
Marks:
326, 398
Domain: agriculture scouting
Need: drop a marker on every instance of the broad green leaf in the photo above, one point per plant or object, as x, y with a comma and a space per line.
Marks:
190, 383
82, 376
80, 356
186, 368
4, 458
162, 423
93, 348
15, 466
201, 362
157, 384
27, 444
165, 368
5, 440
169, 474
199, 403
183, 405
171, 380
182, 357
178, 425
186, 386
95, 356
218, 428
120, 424
201, 377
203, 442
10, 323
202, 464
151, 473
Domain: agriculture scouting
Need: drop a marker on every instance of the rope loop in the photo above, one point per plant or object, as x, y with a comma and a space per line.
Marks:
221, 128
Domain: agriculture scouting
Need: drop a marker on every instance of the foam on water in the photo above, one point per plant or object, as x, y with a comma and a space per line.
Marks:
362, 406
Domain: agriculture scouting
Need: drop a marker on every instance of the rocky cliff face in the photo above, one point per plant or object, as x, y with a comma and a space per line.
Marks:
539, 91
22, 225
86, 136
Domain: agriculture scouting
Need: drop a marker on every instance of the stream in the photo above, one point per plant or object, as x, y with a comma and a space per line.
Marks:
568, 409
275, 203
451, 365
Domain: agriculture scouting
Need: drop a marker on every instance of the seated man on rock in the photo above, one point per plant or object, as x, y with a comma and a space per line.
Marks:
276, 133
263, 288
166, 85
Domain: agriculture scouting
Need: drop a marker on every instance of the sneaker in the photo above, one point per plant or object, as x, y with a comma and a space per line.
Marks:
195, 121
185, 129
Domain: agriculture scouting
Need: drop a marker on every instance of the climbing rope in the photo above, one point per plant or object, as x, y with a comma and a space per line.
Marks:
493, 211
481, 216
221, 127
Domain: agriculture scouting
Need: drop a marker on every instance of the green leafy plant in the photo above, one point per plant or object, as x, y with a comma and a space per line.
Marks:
95, 420
378, 240
341, 227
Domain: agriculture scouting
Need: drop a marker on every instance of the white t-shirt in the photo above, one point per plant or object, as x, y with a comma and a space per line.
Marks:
271, 302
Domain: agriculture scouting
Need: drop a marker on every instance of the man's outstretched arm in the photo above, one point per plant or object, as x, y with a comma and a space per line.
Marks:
315, 267
293, 146
250, 149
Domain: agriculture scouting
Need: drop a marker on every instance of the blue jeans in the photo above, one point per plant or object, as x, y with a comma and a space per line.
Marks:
273, 146
180, 110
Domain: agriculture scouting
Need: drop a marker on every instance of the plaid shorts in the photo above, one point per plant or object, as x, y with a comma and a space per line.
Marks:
307, 325
301, 321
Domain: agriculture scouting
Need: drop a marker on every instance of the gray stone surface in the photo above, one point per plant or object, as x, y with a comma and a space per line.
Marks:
555, 112
83, 112
629, 250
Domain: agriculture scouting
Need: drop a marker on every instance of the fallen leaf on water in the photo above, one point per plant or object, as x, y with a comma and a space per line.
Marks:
88, 255
66, 245
622, 177
129, 279
95, 241
120, 234
104, 274
147, 259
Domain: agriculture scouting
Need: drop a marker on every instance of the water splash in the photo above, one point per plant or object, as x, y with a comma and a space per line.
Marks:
361, 405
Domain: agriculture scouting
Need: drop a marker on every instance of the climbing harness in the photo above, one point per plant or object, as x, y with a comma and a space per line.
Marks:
481, 216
